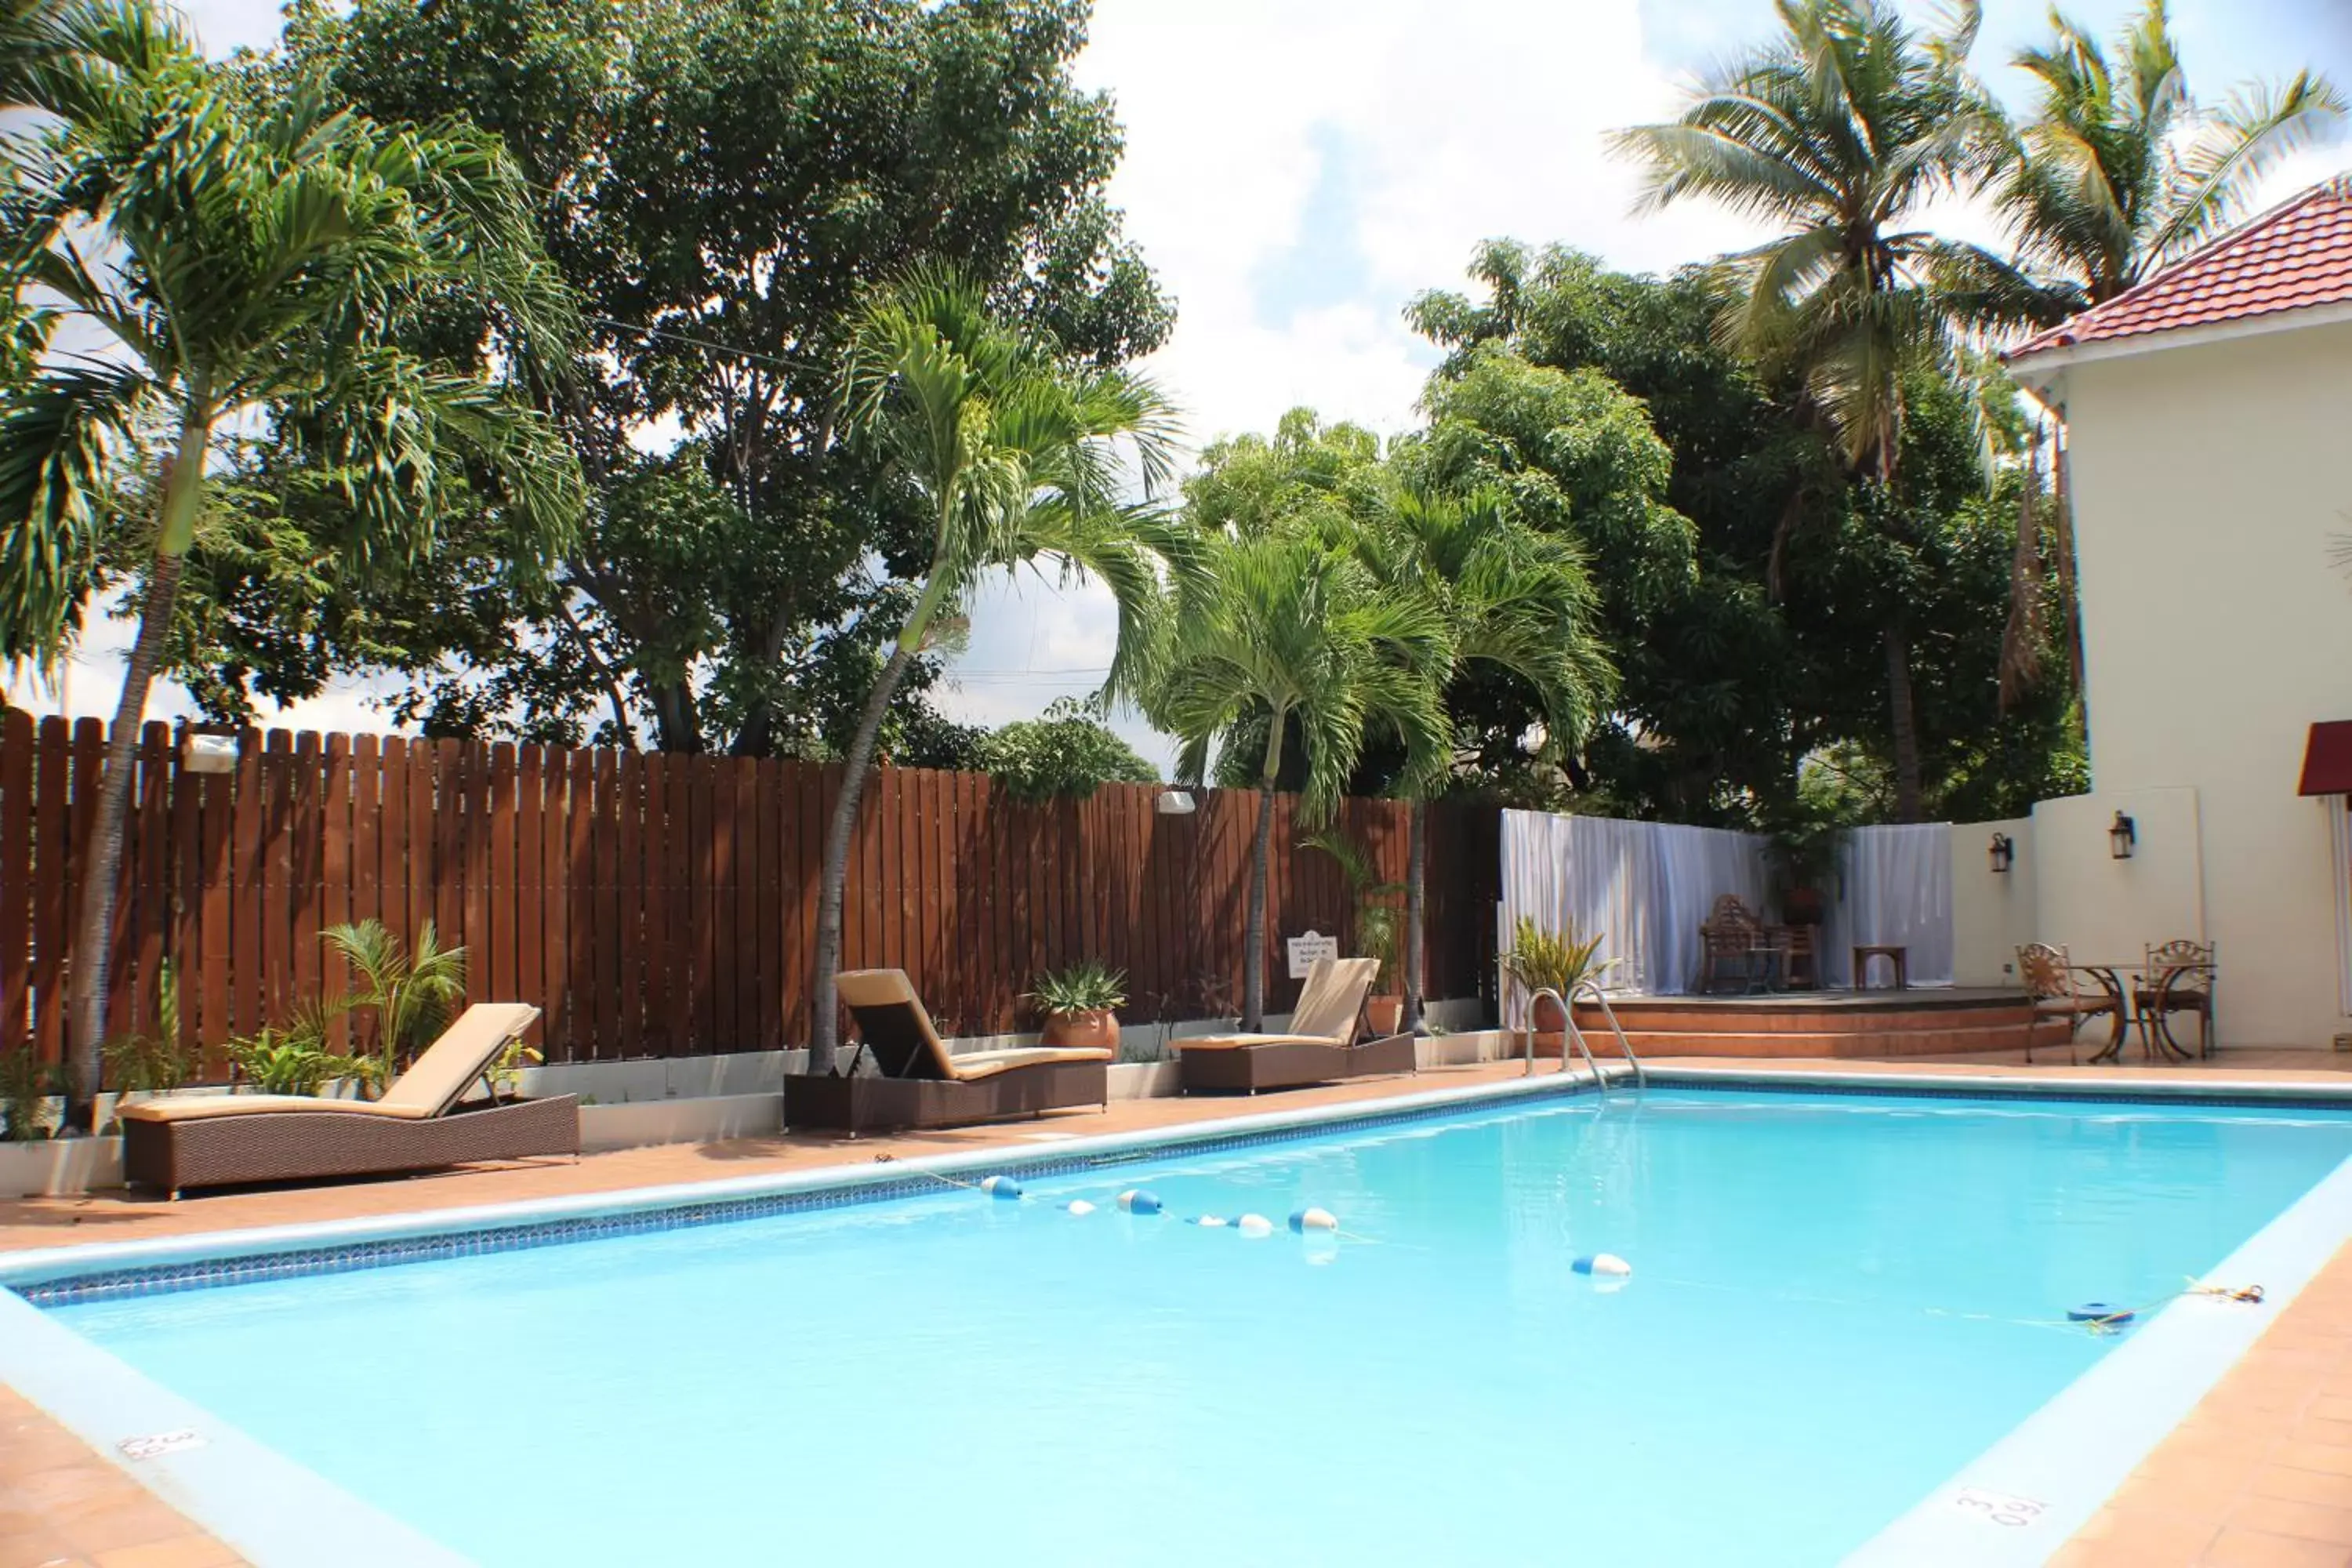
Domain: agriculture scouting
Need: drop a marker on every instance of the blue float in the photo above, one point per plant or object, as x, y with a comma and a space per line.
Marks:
1138, 1201
2099, 1312
1604, 1265
1004, 1188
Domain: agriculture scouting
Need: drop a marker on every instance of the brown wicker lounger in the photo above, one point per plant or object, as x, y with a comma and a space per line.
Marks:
923, 1084
1319, 1049
172, 1145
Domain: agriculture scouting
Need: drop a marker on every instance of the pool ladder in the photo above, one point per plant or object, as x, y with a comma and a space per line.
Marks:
1575, 1036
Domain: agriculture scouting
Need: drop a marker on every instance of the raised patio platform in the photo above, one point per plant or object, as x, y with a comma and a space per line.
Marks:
1876, 1025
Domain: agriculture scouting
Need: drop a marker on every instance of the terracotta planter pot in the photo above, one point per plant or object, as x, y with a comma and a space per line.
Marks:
1802, 906
1384, 1015
1096, 1028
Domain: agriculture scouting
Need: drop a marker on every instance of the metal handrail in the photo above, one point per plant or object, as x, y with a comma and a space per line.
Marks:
1641, 1079
1599, 1080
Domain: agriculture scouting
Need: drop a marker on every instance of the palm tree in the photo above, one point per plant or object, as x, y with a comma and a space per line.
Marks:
1018, 457
1838, 132
243, 264
1287, 626
1510, 596
2120, 170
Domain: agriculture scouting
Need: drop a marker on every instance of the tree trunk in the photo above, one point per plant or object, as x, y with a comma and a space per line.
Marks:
825, 1023
1416, 879
1906, 725
1253, 957
677, 726
102, 859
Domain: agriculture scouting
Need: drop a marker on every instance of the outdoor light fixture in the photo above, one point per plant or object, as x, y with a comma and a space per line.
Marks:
2123, 837
1175, 803
208, 749
2003, 852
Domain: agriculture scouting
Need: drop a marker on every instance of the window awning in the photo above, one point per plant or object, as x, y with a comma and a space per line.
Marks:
2327, 760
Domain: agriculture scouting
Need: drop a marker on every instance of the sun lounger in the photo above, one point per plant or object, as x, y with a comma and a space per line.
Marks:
1319, 1047
922, 1084
205, 1140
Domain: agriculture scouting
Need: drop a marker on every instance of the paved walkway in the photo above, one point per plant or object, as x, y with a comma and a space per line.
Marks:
2259, 1474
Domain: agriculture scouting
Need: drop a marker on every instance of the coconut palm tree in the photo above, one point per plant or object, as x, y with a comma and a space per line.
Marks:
1838, 132
2119, 170
1287, 626
1018, 457
1510, 597
197, 263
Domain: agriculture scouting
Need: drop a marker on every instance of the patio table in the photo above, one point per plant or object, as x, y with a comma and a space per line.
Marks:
2121, 980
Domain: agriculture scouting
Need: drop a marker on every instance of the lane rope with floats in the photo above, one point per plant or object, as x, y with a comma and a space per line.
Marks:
1311, 1220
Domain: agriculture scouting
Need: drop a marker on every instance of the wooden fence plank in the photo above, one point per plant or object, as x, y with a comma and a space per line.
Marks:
579, 874
662, 1035
555, 904
52, 833
604, 862
305, 854
503, 895
17, 743
629, 905
529, 887
335, 871
739, 777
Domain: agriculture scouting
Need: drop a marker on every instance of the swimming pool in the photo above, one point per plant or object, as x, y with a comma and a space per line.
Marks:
1837, 1301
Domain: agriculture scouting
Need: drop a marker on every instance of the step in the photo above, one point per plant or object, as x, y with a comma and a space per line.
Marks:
1815, 1021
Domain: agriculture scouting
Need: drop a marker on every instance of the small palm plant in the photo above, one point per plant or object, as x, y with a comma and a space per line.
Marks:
24, 1085
409, 994
1543, 958
157, 1063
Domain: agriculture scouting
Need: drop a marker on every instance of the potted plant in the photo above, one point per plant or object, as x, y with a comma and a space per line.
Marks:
1376, 918
1079, 1004
1544, 959
1802, 854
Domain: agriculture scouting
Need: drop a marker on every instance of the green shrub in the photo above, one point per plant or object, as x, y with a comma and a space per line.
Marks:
1067, 753
26, 1085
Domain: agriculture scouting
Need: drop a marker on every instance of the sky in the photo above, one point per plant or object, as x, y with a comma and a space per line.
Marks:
1298, 170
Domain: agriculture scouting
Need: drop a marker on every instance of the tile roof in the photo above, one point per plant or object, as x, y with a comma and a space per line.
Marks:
2296, 256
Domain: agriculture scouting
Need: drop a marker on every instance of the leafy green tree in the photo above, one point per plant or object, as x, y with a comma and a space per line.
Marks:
1511, 598
2120, 170
722, 185
1067, 753
1840, 131
1015, 454
1739, 666
244, 261
1281, 626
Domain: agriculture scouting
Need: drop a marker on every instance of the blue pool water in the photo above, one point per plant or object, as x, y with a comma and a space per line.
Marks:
1836, 1302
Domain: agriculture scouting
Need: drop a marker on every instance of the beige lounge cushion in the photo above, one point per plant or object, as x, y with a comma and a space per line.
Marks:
203, 1107
1329, 1006
971, 1066
431, 1084
451, 1064
1241, 1042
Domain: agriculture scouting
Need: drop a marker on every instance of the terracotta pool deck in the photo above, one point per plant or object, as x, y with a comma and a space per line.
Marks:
2260, 1473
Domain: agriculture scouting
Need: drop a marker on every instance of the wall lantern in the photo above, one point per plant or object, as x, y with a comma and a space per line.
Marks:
2003, 852
1175, 803
208, 749
2123, 837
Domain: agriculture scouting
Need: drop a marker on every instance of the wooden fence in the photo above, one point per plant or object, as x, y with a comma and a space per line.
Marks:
657, 905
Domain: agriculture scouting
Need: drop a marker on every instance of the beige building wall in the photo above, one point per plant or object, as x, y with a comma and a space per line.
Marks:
1992, 913
2105, 910
2210, 482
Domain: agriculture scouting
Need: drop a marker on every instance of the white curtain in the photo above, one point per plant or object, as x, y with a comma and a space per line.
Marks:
1898, 892
1644, 886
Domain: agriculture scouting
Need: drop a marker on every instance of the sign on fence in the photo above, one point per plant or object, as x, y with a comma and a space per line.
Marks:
1305, 948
